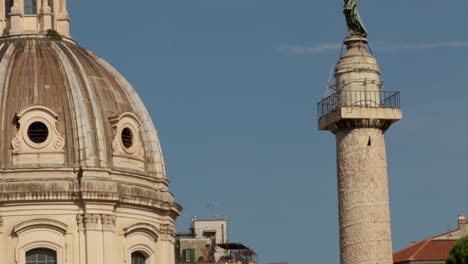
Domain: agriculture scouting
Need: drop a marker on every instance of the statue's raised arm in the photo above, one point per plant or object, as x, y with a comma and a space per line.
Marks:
353, 19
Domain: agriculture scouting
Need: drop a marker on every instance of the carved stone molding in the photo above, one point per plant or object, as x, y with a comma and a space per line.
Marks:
80, 222
167, 229
91, 221
127, 154
48, 151
108, 222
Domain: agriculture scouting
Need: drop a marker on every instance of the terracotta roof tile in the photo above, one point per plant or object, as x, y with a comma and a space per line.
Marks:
425, 250
428, 249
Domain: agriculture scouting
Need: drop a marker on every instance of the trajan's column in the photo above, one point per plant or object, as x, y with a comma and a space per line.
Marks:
359, 112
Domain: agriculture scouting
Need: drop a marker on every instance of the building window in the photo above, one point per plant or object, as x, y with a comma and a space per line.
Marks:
188, 255
38, 132
41, 256
138, 258
30, 7
8, 5
127, 137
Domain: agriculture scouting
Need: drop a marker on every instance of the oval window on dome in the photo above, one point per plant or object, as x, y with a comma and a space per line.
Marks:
127, 137
38, 132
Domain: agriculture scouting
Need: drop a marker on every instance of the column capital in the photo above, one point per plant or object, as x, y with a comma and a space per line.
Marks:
108, 222
91, 221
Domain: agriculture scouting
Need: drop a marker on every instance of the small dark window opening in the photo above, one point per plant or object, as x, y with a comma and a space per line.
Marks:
41, 256
38, 132
8, 5
138, 258
127, 137
369, 143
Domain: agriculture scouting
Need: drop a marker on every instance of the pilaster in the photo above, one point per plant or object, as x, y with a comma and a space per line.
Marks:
2, 17
94, 239
81, 239
167, 242
16, 19
45, 18
63, 20
108, 230
3, 243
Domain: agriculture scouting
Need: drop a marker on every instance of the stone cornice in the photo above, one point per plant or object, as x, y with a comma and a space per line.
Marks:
167, 208
346, 124
102, 173
359, 117
34, 223
143, 226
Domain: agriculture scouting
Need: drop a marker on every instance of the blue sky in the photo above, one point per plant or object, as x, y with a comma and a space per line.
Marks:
232, 86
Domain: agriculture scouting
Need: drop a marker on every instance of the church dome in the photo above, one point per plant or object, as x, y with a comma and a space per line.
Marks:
82, 178
66, 111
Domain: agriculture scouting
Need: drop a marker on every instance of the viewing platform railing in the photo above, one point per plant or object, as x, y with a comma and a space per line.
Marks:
355, 98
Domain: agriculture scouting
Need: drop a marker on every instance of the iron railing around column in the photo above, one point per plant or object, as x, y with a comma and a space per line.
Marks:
355, 98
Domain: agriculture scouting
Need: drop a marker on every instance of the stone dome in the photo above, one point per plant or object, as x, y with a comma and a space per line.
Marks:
67, 112
82, 177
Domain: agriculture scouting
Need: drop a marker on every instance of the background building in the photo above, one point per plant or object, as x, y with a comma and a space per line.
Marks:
82, 177
434, 250
207, 242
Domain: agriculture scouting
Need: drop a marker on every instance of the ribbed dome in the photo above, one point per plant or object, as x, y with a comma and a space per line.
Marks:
66, 111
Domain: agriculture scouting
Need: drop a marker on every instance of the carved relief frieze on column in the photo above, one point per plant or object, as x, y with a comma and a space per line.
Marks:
91, 221
108, 222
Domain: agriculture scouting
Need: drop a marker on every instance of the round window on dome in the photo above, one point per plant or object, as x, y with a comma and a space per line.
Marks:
38, 132
127, 137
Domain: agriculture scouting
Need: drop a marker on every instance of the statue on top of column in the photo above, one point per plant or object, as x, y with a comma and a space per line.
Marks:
353, 19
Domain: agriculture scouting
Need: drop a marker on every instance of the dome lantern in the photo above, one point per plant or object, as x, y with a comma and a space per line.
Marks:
34, 17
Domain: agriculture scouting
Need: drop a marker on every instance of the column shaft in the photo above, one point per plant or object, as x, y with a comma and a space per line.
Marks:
364, 214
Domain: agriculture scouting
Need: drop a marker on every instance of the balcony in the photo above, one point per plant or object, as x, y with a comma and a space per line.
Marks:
360, 99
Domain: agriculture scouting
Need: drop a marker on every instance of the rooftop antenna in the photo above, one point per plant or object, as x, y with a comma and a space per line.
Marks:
212, 210
330, 87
